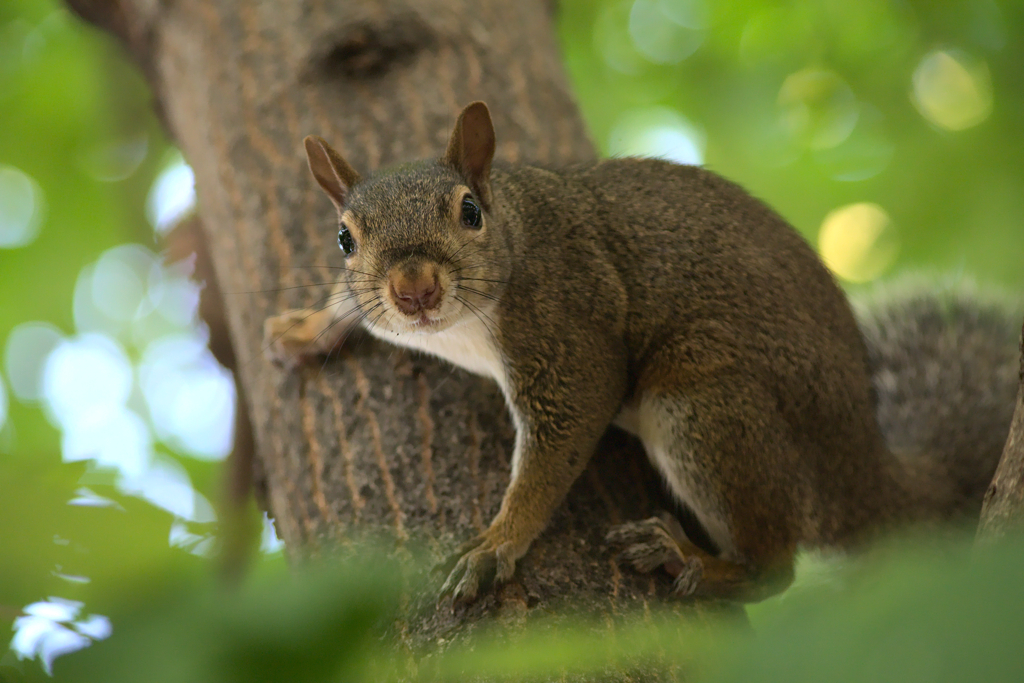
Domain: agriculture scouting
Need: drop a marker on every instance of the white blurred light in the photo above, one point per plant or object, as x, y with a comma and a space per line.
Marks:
21, 208
72, 578
174, 295
191, 398
85, 497
167, 485
84, 378
95, 626
269, 540
28, 346
172, 196
119, 280
48, 631
657, 132
54, 609
197, 544
39, 637
114, 438
952, 89
113, 293
667, 31
88, 316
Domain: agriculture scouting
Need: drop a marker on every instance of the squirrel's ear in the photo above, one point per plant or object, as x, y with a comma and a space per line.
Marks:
471, 149
333, 173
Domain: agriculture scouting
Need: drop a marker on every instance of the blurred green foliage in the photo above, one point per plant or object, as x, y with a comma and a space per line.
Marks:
913, 611
810, 105
322, 625
70, 103
908, 111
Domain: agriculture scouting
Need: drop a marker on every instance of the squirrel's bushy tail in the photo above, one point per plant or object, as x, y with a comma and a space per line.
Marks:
943, 360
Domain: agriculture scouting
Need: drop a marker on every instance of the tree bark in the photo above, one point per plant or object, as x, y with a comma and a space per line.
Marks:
1003, 510
379, 440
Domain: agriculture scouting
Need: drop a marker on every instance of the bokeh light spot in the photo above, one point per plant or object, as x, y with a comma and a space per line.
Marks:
119, 281
85, 378
113, 438
172, 196
667, 31
270, 542
21, 208
817, 108
72, 578
95, 626
657, 132
28, 346
191, 397
174, 294
86, 497
858, 241
167, 485
197, 544
952, 89
49, 629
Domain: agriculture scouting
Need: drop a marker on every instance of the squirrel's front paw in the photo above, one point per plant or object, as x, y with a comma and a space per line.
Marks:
297, 335
485, 560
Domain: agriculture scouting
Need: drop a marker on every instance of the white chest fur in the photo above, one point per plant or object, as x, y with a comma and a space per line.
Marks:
469, 344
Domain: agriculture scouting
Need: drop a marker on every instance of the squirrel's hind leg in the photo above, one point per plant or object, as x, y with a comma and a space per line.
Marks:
711, 443
661, 542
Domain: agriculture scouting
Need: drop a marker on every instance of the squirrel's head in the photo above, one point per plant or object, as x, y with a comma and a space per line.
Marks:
422, 244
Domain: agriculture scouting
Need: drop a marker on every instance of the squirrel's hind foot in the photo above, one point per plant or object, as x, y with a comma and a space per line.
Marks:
660, 542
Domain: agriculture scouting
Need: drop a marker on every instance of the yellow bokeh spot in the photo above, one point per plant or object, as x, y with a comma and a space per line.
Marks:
858, 241
952, 90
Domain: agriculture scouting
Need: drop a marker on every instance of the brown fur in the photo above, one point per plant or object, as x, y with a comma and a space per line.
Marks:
659, 296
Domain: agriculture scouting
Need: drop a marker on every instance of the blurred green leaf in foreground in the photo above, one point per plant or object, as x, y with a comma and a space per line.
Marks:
910, 611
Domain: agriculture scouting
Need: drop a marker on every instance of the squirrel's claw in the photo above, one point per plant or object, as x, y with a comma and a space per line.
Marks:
482, 562
296, 336
659, 542
290, 338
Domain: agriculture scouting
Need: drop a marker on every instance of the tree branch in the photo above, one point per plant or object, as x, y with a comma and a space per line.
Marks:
1003, 510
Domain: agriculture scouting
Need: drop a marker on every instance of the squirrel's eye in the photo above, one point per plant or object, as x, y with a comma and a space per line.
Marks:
471, 215
345, 241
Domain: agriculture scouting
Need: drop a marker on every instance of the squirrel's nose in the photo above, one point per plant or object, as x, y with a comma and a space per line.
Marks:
416, 294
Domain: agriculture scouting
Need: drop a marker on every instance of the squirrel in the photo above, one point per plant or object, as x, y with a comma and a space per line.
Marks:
665, 300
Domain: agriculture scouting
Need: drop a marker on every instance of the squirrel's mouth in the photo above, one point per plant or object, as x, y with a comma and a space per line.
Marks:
424, 323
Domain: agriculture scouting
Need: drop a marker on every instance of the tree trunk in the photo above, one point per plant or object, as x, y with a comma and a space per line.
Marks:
379, 440
1003, 511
